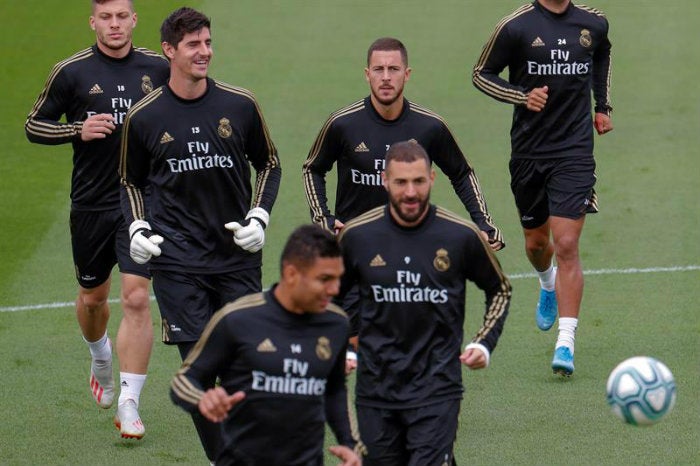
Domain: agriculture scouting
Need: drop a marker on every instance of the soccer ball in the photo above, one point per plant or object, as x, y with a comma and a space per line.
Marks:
641, 391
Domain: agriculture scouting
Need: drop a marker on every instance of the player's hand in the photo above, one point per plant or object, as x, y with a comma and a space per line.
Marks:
474, 358
216, 403
350, 362
338, 226
97, 127
250, 235
496, 245
346, 455
602, 123
536, 98
144, 244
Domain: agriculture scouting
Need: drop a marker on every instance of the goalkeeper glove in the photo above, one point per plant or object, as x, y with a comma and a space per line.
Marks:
251, 235
144, 244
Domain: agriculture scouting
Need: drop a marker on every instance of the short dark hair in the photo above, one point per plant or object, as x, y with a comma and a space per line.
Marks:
102, 2
388, 44
308, 243
180, 22
406, 151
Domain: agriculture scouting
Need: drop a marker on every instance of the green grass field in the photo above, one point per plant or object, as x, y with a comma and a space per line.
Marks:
304, 59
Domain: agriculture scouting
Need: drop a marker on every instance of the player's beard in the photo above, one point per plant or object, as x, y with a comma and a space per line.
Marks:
389, 100
412, 216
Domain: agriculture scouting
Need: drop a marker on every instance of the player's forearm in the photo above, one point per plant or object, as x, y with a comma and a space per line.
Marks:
338, 417
498, 88
132, 202
267, 186
601, 85
49, 132
185, 393
315, 191
497, 305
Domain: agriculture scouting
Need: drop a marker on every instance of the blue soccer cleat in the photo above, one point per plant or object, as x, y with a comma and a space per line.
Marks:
563, 361
546, 313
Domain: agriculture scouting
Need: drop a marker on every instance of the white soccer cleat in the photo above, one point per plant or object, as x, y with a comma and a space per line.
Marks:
128, 421
102, 381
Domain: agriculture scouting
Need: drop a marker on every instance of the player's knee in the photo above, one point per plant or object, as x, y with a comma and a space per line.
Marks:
536, 245
135, 300
566, 248
92, 301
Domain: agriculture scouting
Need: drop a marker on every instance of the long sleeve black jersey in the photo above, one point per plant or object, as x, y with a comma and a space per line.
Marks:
569, 53
85, 84
357, 138
195, 158
412, 284
291, 368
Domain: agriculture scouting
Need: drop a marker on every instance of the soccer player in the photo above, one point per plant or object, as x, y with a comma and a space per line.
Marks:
357, 137
411, 261
556, 53
94, 88
190, 145
280, 357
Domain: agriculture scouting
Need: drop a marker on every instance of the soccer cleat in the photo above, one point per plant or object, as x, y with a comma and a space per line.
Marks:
563, 361
128, 421
546, 313
102, 381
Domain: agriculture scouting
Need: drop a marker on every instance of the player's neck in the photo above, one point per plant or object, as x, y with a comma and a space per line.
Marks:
284, 298
187, 89
114, 53
388, 112
555, 6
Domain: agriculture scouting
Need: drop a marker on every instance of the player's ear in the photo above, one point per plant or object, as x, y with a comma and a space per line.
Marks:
167, 50
290, 273
92, 22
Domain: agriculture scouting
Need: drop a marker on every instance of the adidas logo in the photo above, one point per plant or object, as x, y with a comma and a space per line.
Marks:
266, 346
377, 261
537, 42
166, 138
96, 89
361, 147
124, 383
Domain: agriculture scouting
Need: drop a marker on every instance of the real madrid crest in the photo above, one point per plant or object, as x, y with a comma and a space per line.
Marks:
225, 130
441, 261
146, 84
323, 349
585, 38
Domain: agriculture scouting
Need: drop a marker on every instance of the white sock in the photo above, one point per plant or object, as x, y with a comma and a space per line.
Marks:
567, 332
131, 385
548, 278
100, 350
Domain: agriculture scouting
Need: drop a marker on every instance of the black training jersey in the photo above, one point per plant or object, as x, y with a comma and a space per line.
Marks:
195, 156
291, 368
412, 295
85, 84
569, 53
357, 138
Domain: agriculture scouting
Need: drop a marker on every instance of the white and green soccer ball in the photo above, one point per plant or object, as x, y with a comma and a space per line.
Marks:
641, 390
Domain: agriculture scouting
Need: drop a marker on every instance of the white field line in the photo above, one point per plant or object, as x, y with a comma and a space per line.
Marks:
517, 276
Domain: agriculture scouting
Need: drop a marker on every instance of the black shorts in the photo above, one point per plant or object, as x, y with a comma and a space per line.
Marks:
560, 187
187, 301
100, 239
409, 437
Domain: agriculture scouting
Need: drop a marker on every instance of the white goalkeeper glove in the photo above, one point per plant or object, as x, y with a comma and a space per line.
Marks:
144, 244
251, 236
